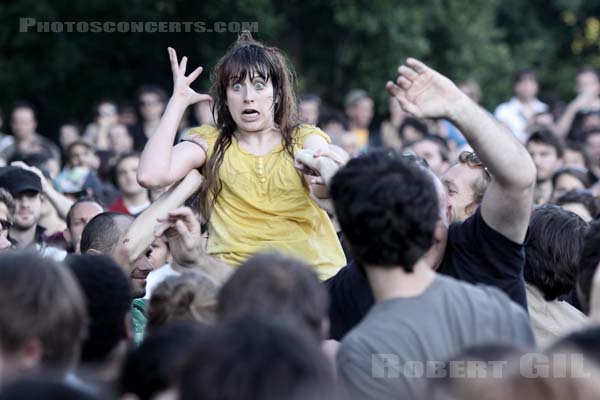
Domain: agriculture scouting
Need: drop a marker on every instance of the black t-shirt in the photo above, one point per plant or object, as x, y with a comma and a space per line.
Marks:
475, 253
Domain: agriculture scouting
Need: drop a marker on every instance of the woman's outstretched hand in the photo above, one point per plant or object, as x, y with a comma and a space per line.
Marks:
181, 83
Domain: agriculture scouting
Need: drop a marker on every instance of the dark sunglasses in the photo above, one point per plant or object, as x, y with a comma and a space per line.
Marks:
470, 158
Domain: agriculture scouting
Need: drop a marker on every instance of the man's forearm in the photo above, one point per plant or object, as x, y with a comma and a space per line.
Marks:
141, 232
499, 150
217, 270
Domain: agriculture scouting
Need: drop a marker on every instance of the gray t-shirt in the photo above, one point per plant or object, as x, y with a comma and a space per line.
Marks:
392, 351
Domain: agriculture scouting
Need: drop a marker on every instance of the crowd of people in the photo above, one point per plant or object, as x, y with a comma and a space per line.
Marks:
248, 244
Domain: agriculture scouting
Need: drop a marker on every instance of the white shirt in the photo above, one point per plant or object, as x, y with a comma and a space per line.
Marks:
511, 114
156, 276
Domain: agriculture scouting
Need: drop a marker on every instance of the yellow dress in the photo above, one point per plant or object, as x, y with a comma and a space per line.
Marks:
264, 205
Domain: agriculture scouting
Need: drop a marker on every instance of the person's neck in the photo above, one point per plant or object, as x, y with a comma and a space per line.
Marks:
25, 139
526, 101
259, 141
356, 127
135, 199
24, 237
394, 282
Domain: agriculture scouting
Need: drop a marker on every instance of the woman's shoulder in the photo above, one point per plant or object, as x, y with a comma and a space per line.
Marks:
303, 131
207, 132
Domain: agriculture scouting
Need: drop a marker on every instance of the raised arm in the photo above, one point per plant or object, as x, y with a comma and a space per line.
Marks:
140, 234
161, 164
507, 203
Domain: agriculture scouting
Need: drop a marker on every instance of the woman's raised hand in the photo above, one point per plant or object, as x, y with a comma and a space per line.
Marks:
181, 83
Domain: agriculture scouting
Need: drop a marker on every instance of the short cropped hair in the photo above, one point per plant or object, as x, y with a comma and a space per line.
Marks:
588, 263
256, 357
42, 300
102, 233
552, 249
84, 199
546, 137
108, 296
387, 207
274, 284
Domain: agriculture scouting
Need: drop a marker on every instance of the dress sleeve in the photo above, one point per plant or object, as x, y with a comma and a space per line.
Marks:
202, 136
305, 131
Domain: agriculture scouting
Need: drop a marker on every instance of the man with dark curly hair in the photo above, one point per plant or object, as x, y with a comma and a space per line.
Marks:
388, 210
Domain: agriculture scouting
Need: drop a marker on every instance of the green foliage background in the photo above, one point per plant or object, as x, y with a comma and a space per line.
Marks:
334, 46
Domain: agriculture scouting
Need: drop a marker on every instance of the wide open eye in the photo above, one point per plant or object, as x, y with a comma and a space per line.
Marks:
237, 87
259, 85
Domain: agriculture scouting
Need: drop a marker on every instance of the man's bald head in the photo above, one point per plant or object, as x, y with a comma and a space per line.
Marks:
103, 231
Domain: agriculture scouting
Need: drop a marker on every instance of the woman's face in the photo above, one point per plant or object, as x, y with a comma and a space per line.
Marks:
251, 104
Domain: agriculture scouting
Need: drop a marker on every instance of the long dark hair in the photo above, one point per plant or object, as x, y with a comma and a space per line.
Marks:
247, 57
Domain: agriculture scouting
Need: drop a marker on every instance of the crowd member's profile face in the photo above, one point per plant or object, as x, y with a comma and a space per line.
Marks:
458, 182
545, 159
587, 82
127, 176
139, 269
81, 214
565, 183
28, 205
23, 123
251, 103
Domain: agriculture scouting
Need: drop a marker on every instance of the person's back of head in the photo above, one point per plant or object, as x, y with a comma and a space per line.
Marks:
274, 284
102, 233
42, 318
585, 341
108, 296
185, 298
552, 248
387, 207
588, 264
259, 358
155, 366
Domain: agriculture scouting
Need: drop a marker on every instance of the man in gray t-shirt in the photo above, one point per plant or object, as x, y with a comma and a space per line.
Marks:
393, 350
394, 215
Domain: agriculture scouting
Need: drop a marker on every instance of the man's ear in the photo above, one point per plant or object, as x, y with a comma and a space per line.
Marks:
93, 252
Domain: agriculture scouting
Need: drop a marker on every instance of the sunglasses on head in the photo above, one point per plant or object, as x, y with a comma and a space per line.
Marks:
470, 158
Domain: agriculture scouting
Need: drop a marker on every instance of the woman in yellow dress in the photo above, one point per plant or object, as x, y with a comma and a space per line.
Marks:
253, 197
